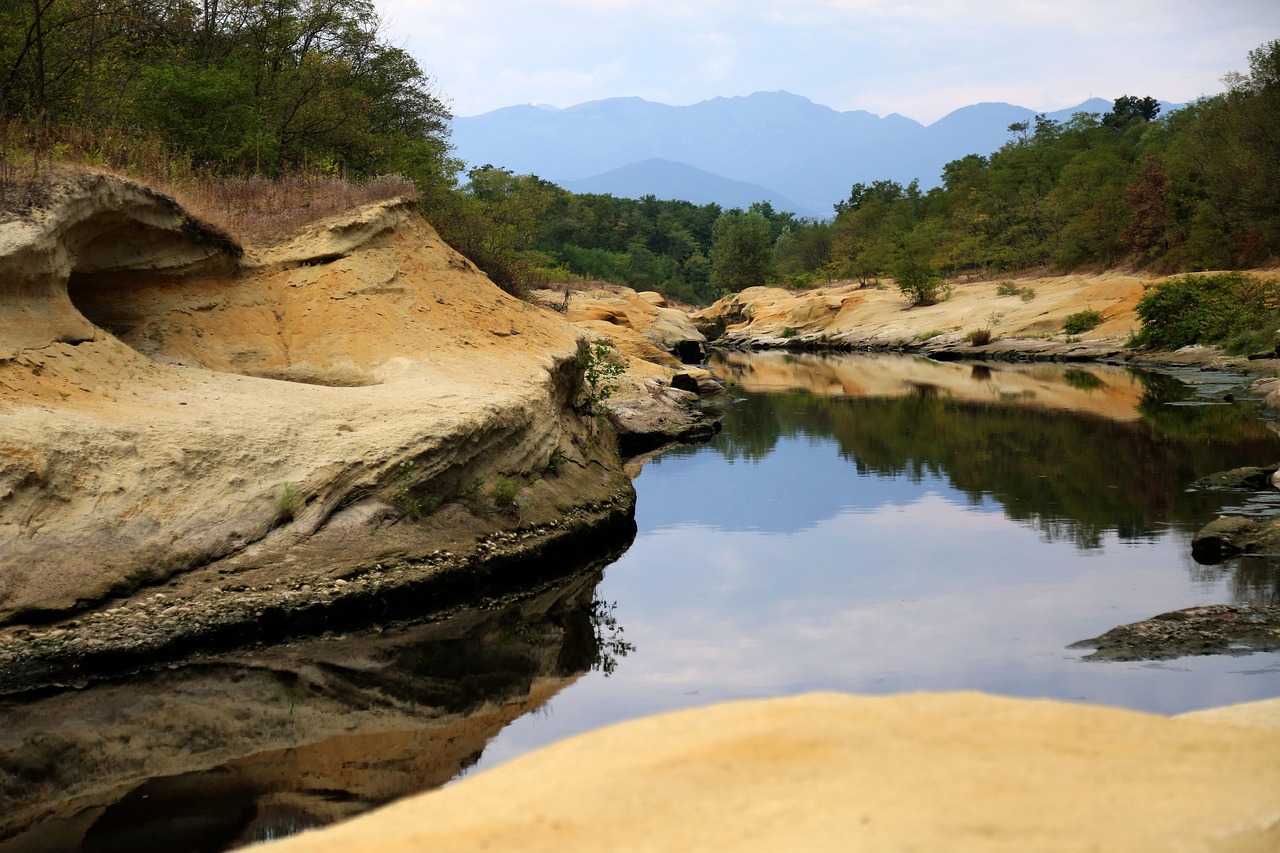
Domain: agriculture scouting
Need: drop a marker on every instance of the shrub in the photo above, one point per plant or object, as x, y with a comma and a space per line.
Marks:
600, 372
789, 332
1081, 322
979, 337
1231, 308
919, 282
1008, 288
504, 493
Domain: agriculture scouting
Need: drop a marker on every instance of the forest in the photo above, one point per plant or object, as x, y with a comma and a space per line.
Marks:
207, 91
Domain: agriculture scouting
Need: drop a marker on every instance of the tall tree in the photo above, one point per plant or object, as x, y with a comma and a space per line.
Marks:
741, 251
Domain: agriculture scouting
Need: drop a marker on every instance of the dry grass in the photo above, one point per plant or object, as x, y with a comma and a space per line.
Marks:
259, 210
253, 209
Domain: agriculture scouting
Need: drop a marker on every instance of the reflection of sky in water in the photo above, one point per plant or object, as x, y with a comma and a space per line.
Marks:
791, 574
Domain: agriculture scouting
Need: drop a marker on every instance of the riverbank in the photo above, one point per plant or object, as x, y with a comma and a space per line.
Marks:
1019, 318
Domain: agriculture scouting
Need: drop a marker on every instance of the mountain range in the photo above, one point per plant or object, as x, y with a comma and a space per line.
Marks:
801, 156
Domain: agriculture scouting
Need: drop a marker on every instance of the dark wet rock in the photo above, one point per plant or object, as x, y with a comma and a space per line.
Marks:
1215, 629
697, 381
1252, 479
1229, 535
670, 415
690, 351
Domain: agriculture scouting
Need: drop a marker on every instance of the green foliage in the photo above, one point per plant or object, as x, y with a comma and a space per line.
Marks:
921, 337
504, 493
789, 332
289, 501
600, 372
1231, 308
258, 86
741, 251
556, 461
916, 277
1081, 322
406, 495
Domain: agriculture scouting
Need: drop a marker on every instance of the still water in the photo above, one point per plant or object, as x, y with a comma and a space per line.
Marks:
878, 524
870, 524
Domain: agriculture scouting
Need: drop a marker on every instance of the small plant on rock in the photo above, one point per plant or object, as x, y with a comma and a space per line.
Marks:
504, 493
600, 372
289, 501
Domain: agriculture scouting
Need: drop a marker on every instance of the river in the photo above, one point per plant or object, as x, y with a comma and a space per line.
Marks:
863, 523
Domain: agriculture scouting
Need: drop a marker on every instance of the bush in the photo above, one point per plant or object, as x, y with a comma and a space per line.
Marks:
919, 282
979, 337
1231, 308
1007, 288
1081, 322
504, 493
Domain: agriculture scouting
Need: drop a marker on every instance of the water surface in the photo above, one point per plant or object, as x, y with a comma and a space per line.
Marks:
879, 524
869, 524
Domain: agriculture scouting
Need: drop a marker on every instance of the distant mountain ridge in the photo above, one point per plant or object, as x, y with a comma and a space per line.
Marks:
784, 144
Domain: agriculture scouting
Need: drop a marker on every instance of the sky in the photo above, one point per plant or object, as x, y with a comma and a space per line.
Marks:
918, 59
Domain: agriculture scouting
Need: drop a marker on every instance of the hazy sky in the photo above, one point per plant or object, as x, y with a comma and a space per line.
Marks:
920, 59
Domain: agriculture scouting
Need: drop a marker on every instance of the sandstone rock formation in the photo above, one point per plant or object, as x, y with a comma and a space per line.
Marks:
843, 314
178, 410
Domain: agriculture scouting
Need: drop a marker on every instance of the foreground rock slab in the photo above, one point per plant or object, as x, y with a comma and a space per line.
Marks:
831, 772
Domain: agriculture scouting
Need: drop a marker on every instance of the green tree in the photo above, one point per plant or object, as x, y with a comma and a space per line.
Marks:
741, 251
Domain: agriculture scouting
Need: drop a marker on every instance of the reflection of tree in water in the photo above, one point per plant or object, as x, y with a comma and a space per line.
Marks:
607, 635
1256, 581
1074, 477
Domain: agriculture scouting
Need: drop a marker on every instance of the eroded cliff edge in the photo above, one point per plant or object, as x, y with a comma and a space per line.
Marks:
196, 434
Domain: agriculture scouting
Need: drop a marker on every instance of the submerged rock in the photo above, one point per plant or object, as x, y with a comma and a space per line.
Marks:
1249, 479
1216, 629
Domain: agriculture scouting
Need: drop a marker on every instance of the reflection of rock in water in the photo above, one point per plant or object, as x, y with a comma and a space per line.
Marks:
241, 748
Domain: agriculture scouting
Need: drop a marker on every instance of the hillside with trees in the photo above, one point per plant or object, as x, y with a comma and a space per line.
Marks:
185, 92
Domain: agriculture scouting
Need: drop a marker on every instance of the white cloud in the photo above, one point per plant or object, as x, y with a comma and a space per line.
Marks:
921, 59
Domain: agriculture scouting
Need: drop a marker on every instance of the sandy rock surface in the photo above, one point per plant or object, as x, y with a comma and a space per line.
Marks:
959, 771
298, 413
845, 314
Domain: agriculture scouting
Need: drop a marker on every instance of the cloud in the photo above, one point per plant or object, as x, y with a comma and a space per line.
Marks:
921, 59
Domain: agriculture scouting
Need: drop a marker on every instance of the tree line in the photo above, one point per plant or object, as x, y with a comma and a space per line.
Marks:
274, 87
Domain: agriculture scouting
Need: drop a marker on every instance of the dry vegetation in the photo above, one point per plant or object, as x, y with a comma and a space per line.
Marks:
254, 210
